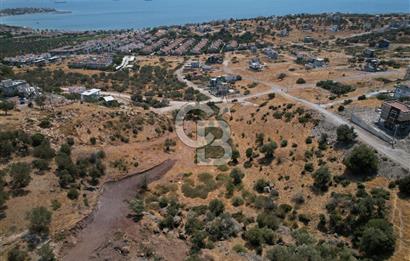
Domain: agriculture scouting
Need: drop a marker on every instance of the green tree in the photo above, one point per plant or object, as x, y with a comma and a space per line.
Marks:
378, 238
269, 149
404, 186
346, 134
249, 153
39, 219
6, 105
46, 253
216, 206
16, 254
44, 150
237, 176
322, 178
20, 175
362, 161
235, 156
137, 207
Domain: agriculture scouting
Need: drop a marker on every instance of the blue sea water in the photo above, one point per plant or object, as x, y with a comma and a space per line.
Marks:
123, 14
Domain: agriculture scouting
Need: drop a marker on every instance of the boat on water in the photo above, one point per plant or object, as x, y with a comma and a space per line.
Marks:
60, 1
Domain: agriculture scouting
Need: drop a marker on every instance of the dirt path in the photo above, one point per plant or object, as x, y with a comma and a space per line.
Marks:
400, 219
111, 211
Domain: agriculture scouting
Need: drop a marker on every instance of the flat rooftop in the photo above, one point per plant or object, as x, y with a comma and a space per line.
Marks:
399, 105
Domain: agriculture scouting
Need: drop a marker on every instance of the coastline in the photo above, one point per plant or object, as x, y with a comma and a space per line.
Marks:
182, 24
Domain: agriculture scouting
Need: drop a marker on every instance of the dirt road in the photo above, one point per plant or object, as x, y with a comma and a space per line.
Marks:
111, 212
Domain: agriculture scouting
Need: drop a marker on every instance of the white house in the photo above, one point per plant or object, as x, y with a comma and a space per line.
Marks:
92, 94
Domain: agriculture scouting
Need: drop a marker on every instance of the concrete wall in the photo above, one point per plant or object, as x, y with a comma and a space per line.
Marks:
378, 133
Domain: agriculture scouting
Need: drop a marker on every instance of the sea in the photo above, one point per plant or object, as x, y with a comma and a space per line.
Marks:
136, 14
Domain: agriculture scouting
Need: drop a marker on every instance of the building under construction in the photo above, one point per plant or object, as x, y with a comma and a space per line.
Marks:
395, 115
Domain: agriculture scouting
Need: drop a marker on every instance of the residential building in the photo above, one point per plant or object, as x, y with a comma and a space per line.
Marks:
254, 64
395, 113
383, 44
91, 95
11, 88
270, 53
402, 91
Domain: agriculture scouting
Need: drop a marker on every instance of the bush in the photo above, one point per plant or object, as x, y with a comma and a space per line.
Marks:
335, 87
44, 151
238, 248
258, 236
20, 175
377, 239
46, 253
16, 254
346, 134
268, 219
137, 207
45, 124
39, 219
300, 81
260, 185
362, 161
41, 165
93, 140
269, 149
309, 167
73, 193
37, 139
237, 176
322, 178
216, 207
237, 201
404, 186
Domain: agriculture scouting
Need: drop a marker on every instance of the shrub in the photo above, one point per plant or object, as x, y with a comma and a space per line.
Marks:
335, 87
237, 201
55, 204
269, 149
300, 81
309, 167
137, 207
44, 151
404, 186
45, 124
41, 164
39, 219
362, 161
267, 219
20, 175
377, 238
93, 140
260, 185
37, 139
237, 176
72, 193
238, 248
322, 178
15, 254
216, 207
346, 134
46, 253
